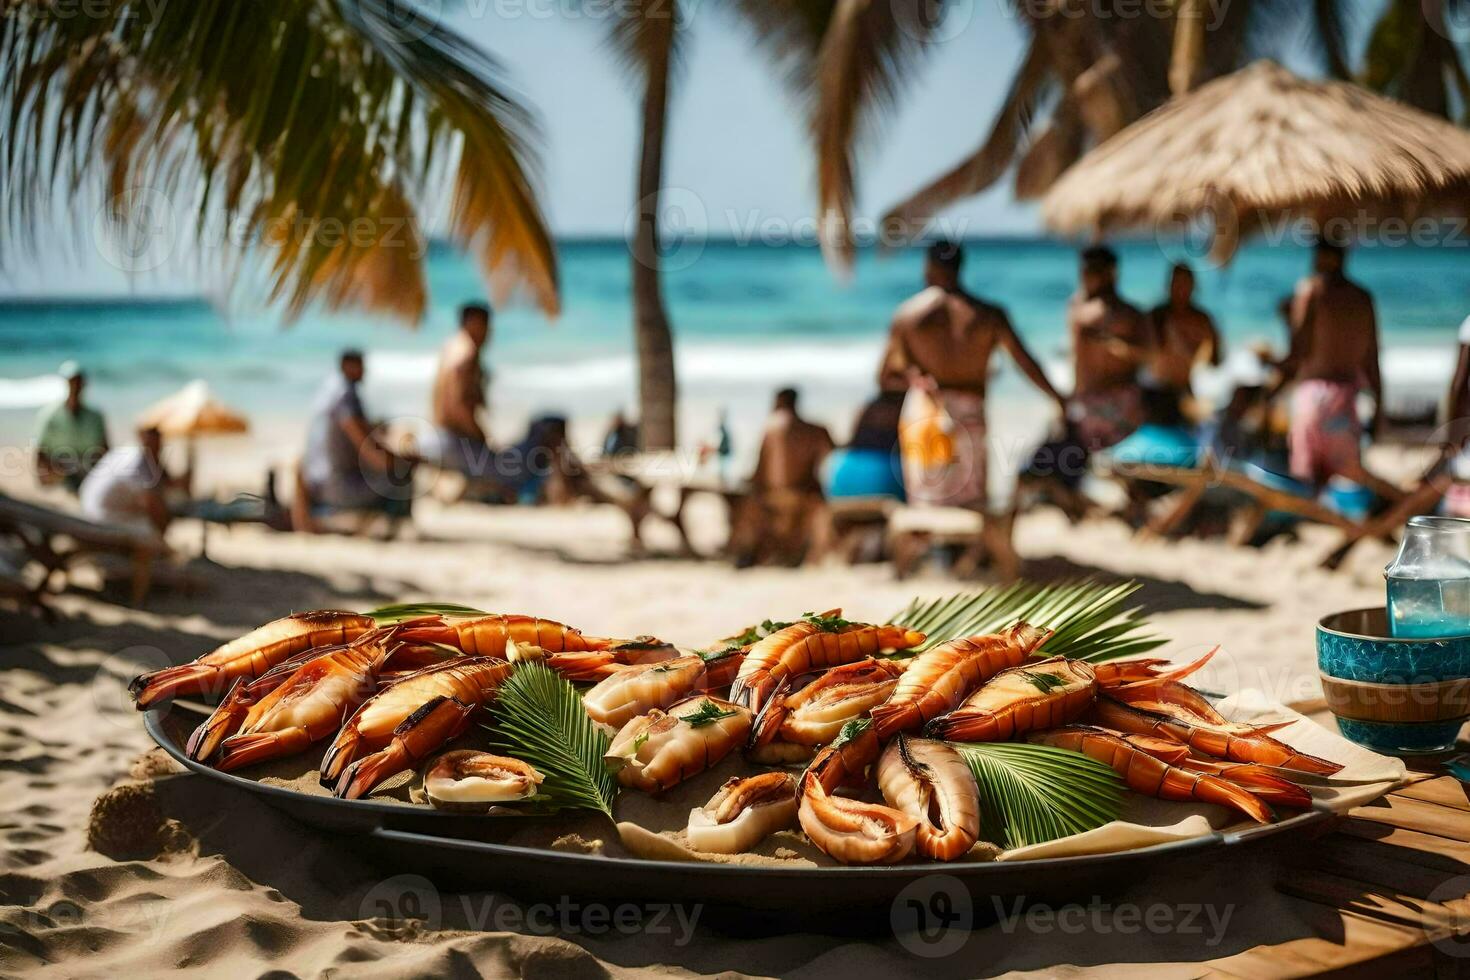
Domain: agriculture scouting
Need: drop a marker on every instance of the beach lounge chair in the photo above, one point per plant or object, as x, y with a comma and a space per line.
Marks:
1255, 495
55, 541
16, 586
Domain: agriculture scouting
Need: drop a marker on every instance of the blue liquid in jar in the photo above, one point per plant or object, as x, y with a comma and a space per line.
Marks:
1425, 608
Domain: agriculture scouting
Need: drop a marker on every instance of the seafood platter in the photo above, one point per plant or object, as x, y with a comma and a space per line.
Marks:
1017, 738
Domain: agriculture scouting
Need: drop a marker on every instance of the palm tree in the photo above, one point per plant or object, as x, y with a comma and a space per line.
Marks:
320, 128
1083, 77
647, 37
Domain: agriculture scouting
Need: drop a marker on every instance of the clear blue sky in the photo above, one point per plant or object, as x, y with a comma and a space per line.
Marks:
735, 138
736, 145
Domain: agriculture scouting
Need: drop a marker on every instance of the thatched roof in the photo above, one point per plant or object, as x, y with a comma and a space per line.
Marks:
192, 411
1260, 146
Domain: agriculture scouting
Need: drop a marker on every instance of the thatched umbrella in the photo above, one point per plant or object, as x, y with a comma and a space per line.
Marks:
192, 411
1261, 147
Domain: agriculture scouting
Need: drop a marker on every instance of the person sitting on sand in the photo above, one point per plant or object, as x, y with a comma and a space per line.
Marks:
939, 349
1182, 335
459, 394
780, 513
1110, 342
71, 436
1333, 357
129, 486
345, 466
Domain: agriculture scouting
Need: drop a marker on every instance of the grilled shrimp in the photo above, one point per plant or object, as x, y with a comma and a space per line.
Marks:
851, 831
309, 706
659, 749
938, 679
1040, 694
931, 783
815, 714
745, 811
633, 691
795, 651
472, 781
487, 636
1234, 744
249, 656
1143, 773
1146, 671
378, 726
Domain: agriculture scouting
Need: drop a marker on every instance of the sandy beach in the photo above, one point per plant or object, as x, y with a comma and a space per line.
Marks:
230, 887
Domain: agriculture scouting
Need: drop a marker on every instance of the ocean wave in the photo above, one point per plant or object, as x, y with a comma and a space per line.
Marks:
23, 393
765, 364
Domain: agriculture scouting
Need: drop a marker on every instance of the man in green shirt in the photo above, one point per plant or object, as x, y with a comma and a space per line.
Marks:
71, 436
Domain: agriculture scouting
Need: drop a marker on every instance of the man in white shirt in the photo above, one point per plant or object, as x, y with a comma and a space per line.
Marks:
127, 486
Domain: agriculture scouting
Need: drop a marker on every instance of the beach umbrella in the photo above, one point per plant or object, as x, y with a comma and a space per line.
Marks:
1258, 149
192, 411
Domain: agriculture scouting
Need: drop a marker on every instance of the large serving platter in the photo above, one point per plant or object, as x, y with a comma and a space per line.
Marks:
443, 847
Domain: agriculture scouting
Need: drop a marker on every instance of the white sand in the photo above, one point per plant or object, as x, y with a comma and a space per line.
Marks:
246, 890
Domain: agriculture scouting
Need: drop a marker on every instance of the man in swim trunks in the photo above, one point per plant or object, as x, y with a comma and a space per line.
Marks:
1110, 341
939, 349
1333, 357
1183, 335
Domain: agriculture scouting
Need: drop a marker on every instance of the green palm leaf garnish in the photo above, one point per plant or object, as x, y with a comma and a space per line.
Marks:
1045, 683
416, 610
1089, 618
1030, 794
538, 718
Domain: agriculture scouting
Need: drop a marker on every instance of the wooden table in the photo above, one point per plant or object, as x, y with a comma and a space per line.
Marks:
1387, 892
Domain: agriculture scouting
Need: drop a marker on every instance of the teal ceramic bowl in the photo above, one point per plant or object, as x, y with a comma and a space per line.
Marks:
1399, 696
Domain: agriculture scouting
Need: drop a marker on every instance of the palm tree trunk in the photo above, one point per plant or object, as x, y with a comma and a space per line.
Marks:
657, 390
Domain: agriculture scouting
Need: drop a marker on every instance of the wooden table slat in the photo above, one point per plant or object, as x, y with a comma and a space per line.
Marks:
1341, 940
1428, 818
1447, 791
1412, 846
1348, 894
1371, 864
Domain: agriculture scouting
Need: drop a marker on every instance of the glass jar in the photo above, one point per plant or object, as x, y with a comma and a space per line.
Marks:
1429, 581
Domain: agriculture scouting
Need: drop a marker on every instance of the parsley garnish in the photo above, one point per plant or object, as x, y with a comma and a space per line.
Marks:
827, 624
708, 714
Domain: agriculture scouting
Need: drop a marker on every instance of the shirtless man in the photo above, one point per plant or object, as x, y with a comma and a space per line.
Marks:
1110, 341
781, 514
1183, 335
939, 348
1334, 355
459, 393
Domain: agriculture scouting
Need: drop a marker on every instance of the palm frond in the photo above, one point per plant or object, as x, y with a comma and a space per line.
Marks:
538, 718
1090, 620
397, 613
309, 135
1030, 794
989, 162
860, 66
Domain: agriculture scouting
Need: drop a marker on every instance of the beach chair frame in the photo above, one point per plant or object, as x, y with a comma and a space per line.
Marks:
55, 541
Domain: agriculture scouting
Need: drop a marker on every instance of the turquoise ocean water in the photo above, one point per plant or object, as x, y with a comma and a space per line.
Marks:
748, 318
